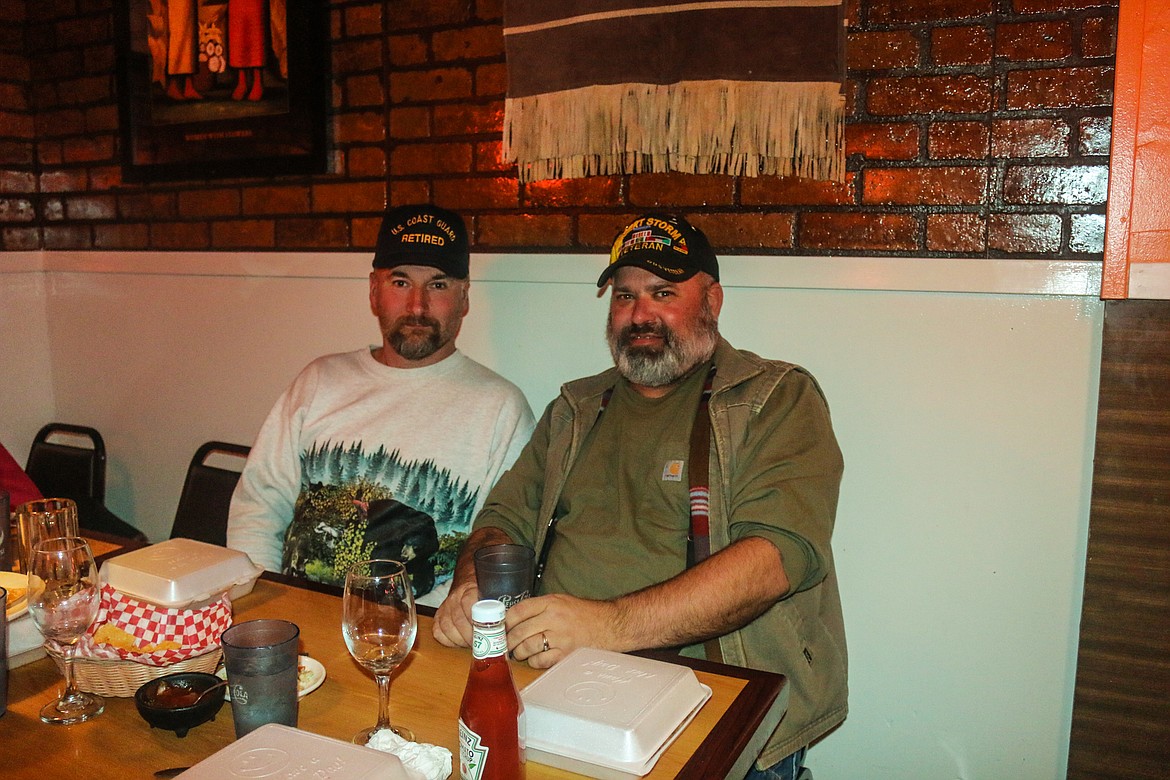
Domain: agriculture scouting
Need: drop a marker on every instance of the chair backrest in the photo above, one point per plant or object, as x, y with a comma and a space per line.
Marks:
207, 493
69, 461
61, 468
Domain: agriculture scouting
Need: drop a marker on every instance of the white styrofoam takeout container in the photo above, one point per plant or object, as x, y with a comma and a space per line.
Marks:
277, 752
609, 715
181, 573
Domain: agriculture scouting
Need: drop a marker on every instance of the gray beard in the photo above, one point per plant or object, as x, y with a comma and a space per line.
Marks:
654, 368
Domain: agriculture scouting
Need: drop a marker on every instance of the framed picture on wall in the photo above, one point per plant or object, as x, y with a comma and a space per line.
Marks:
214, 88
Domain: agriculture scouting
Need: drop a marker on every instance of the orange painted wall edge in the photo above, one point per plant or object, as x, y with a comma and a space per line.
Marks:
1143, 51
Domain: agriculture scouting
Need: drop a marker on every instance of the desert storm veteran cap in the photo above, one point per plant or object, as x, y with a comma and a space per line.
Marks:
665, 245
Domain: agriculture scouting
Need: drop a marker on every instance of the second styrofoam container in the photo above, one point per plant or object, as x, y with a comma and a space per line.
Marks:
284, 753
609, 715
181, 573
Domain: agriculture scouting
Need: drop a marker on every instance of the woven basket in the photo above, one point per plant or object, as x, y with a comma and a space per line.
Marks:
123, 678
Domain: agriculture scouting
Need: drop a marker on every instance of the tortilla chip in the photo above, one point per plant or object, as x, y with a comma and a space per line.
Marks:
15, 595
109, 634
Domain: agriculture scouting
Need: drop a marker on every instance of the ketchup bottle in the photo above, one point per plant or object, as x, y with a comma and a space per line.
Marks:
491, 717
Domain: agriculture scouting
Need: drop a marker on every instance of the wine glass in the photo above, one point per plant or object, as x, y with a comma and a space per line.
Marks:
379, 624
63, 596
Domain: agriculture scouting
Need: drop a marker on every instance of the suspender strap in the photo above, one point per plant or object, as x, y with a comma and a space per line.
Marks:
550, 532
698, 469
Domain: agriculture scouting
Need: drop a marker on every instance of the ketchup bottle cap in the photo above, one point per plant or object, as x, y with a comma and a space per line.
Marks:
487, 611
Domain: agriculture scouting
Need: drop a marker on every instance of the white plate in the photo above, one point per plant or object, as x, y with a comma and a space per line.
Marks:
10, 579
309, 677
25, 643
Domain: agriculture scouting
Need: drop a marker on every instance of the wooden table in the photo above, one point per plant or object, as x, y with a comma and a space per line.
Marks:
108, 545
102, 545
725, 735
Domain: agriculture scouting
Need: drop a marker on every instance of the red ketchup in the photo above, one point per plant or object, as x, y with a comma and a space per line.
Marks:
491, 717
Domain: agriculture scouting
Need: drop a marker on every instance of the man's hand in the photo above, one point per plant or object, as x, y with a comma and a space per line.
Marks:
564, 623
452, 625
721, 594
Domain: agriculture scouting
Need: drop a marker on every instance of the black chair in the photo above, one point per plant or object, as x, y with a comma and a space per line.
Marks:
62, 467
207, 493
69, 461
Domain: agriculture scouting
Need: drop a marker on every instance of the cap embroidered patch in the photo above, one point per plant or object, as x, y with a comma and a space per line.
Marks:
427, 229
646, 238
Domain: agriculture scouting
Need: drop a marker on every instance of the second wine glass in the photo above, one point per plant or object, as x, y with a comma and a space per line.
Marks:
64, 594
379, 624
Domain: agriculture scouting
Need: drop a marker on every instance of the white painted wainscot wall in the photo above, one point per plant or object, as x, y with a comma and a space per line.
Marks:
963, 393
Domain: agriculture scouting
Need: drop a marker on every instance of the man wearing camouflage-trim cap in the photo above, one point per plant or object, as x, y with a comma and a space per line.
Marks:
683, 499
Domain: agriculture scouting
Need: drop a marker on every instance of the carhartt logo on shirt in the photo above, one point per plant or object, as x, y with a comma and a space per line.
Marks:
672, 471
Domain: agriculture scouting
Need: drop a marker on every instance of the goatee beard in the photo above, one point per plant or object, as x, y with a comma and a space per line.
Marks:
665, 365
415, 346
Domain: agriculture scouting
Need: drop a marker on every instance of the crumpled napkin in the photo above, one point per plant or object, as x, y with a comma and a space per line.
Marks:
432, 762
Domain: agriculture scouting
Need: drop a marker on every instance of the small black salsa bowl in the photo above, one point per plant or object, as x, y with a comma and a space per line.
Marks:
166, 702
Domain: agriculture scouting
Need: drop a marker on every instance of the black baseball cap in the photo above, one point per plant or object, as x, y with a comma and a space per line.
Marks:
665, 245
423, 235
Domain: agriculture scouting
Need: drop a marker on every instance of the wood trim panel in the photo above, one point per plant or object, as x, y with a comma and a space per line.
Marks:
1121, 709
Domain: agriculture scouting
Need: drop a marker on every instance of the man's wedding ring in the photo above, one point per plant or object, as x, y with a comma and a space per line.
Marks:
544, 643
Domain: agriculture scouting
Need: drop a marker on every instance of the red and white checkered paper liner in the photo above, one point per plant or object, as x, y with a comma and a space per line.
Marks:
196, 630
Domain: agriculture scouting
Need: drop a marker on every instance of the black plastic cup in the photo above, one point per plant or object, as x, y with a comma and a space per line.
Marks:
504, 572
261, 659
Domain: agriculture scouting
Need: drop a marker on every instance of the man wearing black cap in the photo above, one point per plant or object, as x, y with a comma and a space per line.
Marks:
683, 499
387, 451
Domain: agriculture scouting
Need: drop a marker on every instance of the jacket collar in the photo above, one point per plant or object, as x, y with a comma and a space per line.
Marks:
733, 367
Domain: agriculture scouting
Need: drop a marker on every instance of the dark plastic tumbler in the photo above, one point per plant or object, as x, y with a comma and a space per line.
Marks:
504, 572
261, 660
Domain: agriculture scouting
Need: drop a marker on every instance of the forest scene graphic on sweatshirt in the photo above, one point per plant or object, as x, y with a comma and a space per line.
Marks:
354, 506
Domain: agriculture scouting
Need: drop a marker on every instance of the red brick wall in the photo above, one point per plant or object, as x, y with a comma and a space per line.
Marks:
17, 179
975, 128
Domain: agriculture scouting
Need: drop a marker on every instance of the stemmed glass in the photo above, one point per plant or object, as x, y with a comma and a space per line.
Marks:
63, 596
379, 624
